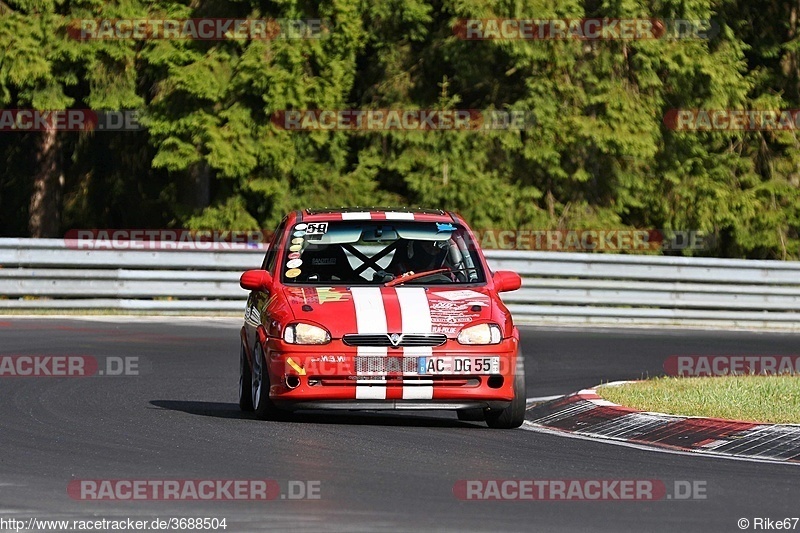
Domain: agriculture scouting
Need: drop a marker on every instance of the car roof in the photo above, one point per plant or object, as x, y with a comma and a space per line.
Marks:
377, 213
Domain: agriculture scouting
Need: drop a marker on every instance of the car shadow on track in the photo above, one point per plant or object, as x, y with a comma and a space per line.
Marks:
362, 418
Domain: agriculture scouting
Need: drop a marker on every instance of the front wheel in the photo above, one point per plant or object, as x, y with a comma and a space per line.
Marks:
245, 381
263, 406
514, 415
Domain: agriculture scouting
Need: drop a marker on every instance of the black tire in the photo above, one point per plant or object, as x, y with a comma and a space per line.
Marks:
514, 415
245, 383
263, 406
471, 415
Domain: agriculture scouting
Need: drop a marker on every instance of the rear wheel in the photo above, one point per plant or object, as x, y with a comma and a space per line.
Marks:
245, 381
514, 415
264, 408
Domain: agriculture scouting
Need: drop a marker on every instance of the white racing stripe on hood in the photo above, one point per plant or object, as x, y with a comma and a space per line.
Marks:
415, 312
370, 318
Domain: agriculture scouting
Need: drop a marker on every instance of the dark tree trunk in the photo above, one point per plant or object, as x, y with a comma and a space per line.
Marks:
791, 65
201, 181
194, 189
44, 215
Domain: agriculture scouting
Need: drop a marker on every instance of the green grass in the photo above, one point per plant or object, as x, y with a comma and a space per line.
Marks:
769, 399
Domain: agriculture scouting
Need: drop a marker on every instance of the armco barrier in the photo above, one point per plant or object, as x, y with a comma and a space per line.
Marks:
557, 287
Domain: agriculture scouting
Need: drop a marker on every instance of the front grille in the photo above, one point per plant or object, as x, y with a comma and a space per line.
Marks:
379, 364
385, 339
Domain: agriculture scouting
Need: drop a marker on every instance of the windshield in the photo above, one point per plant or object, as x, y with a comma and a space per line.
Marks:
377, 252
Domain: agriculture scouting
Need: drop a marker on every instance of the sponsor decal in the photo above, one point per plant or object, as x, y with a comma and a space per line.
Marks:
460, 295
317, 295
452, 312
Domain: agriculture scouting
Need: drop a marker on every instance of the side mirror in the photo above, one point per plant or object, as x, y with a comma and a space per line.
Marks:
256, 280
506, 280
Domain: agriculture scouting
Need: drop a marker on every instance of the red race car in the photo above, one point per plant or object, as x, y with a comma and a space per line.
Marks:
374, 308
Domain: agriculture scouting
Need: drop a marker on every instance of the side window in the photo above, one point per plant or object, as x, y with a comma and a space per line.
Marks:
274, 246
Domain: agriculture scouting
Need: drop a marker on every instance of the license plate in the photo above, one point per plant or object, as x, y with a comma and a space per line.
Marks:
458, 365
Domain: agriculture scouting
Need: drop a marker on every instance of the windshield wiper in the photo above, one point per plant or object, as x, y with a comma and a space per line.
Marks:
409, 276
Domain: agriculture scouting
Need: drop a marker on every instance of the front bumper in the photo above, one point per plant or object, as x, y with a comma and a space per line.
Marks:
384, 405
336, 376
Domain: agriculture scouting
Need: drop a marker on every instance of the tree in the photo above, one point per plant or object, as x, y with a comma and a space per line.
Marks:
43, 68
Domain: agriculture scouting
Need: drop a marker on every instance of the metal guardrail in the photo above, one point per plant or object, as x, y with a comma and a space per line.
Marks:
557, 287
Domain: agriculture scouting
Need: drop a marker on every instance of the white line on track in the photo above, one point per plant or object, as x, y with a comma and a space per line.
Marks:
541, 399
530, 426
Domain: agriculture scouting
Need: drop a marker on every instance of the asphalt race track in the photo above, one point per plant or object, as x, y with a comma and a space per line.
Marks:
377, 472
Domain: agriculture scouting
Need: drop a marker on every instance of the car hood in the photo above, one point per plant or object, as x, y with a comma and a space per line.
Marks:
403, 309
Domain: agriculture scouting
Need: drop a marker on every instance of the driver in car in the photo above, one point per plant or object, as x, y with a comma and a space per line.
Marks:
415, 256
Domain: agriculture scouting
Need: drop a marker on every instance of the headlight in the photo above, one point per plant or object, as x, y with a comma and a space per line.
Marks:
305, 334
481, 334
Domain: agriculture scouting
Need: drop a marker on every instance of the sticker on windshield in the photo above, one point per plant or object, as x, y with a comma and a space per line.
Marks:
292, 272
298, 233
301, 226
298, 240
294, 255
317, 228
294, 263
294, 248
445, 227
